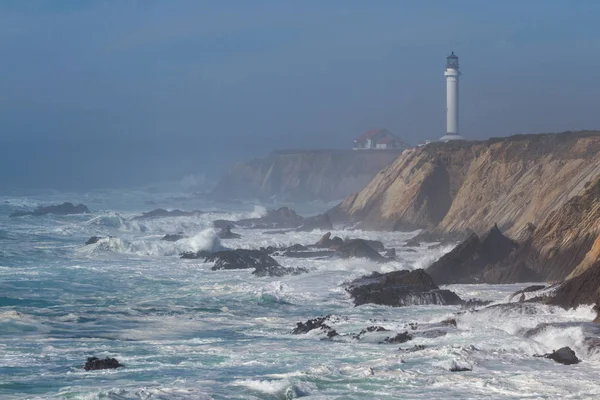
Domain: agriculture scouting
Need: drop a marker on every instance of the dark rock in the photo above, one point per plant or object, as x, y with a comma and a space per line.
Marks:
528, 289
416, 347
61, 209
320, 221
400, 288
277, 270
449, 322
564, 355
509, 273
336, 242
309, 254
475, 303
315, 323
241, 259
466, 262
582, 289
173, 237
94, 363
324, 242
412, 243
197, 255
442, 238
370, 329
226, 233
391, 254
162, 213
93, 240
297, 247
332, 333
359, 248
223, 223
399, 338
283, 218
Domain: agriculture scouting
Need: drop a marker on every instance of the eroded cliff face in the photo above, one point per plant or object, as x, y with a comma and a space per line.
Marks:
304, 175
455, 187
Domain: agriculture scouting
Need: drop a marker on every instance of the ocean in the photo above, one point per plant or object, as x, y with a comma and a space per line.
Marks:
183, 331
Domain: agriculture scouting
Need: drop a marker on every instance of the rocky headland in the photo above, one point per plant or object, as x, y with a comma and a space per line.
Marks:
303, 175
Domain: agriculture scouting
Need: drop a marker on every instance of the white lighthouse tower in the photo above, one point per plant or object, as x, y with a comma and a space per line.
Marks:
452, 73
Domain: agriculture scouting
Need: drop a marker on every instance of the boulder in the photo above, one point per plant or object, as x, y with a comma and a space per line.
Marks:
359, 248
94, 363
311, 324
460, 367
60, 209
391, 254
201, 254
400, 288
282, 218
320, 221
412, 243
582, 289
399, 338
93, 240
241, 259
223, 223
564, 355
475, 303
327, 242
226, 233
277, 270
309, 254
162, 213
173, 237
297, 247
467, 261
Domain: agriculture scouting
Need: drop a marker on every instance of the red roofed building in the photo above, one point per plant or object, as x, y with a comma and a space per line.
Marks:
378, 139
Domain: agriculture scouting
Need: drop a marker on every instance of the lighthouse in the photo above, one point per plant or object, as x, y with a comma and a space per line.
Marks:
452, 73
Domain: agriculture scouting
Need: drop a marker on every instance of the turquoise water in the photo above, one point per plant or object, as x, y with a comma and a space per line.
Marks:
185, 332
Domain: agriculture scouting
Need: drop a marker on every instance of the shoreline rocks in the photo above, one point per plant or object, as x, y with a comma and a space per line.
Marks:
162, 213
60, 209
400, 288
95, 363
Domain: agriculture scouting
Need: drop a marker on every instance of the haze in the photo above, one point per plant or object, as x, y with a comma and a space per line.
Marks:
111, 93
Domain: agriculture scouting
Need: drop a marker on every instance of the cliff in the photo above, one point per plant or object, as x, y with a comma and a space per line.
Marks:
303, 175
460, 186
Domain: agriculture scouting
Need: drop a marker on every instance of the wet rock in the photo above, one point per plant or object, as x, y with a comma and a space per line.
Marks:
528, 289
94, 240
399, 338
467, 261
277, 271
201, 254
94, 363
311, 324
324, 242
309, 254
173, 237
162, 213
60, 209
412, 243
475, 303
359, 248
320, 221
400, 288
297, 247
241, 259
226, 233
332, 333
223, 223
370, 329
282, 218
564, 355
449, 322
416, 347
391, 254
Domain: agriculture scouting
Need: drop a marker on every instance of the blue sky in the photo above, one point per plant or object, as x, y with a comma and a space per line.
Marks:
109, 93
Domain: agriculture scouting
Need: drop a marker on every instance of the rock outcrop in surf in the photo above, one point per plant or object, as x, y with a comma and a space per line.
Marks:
400, 288
60, 209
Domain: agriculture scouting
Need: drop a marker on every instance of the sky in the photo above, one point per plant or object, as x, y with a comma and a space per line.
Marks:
117, 93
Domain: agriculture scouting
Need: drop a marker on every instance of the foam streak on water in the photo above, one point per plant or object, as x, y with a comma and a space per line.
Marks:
186, 332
